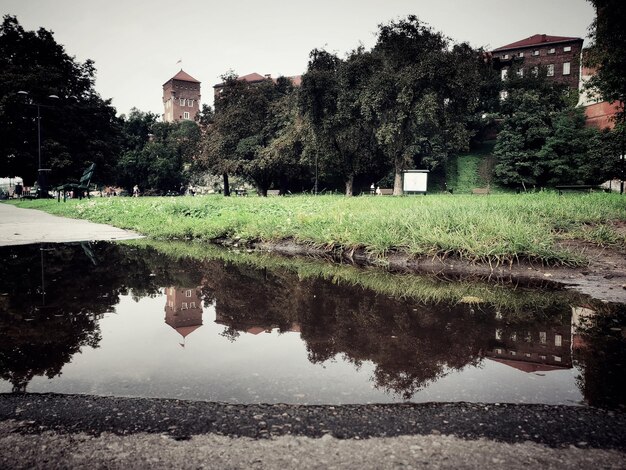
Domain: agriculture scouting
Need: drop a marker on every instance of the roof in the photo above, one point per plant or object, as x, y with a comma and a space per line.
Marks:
536, 40
254, 77
528, 367
183, 77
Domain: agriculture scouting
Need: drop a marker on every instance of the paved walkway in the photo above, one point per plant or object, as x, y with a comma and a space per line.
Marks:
25, 226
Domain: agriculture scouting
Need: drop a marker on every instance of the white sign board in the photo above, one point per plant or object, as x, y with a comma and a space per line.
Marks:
415, 181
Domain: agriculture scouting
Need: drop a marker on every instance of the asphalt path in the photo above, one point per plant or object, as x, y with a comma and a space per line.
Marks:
77, 431
68, 431
25, 226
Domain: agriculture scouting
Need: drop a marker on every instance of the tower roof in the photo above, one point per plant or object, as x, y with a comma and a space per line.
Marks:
536, 40
184, 77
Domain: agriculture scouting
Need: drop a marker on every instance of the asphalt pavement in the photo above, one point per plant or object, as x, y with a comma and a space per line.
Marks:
25, 226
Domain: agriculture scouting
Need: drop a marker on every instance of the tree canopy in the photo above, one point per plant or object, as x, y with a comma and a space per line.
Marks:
78, 128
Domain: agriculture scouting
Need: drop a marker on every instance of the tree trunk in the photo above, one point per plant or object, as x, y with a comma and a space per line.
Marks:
226, 186
397, 183
350, 185
261, 191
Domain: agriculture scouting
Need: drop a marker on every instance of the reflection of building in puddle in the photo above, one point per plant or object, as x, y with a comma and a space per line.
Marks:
183, 310
532, 348
253, 327
582, 319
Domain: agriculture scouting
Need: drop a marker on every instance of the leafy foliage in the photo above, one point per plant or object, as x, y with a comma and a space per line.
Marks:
77, 129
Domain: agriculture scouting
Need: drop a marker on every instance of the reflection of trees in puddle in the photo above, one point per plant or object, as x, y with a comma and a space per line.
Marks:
52, 300
599, 347
411, 342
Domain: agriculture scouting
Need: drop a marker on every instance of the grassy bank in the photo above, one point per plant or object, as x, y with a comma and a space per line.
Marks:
496, 228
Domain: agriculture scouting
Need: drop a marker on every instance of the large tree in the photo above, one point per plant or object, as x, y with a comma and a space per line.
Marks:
420, 96
607, 55
248, 118
331, 100
78, 127
156, 155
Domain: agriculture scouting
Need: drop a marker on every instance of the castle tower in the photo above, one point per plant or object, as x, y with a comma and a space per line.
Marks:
181, 98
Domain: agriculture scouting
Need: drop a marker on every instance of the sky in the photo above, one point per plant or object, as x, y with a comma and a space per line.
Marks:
137, 44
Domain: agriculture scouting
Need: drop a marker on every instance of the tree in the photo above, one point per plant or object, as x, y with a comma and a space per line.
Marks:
156, 154
248, 117
607, 53
77, 129
608, 56
331, 99
420, 96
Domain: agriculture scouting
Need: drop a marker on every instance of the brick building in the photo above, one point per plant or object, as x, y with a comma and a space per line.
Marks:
557, 56
181, 98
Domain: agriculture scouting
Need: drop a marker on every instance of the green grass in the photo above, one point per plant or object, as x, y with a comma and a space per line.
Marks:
499, 228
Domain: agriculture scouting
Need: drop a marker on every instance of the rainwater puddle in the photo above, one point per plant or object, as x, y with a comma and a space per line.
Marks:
199, 323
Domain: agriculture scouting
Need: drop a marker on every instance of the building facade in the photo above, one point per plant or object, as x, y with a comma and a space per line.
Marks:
558, 57
181, 98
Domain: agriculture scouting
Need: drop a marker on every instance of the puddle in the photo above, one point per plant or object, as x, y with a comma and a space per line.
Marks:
193, 322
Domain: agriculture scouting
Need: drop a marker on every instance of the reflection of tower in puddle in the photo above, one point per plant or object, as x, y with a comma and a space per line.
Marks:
183, 310
539, 347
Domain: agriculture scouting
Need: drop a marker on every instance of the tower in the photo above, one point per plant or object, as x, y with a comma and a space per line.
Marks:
181, 98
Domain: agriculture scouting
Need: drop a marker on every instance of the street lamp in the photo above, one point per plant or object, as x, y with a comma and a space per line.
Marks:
42, 191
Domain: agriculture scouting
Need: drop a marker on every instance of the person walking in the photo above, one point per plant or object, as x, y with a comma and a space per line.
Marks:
136, 191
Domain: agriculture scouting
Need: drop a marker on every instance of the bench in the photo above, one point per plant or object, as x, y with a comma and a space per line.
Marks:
479, 191
273, 192
81, 187
240, 192
579, 187
385, 191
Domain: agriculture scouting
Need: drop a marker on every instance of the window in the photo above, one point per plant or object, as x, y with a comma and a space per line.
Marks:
527, 354
190, 103
551, 51
521, 54
567, 49
184, 307
557, 358
192, 305
504, 73
504, 95
550, 70
188, 293
542, 357
520, 73
498, 334
542, 337
535, 53
558, 340
566, 68
534, 71
513, 353
513, 336
505, 56
186, 115
498, 351
181, 101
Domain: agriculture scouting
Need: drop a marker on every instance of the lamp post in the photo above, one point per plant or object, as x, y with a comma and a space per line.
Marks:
42, 190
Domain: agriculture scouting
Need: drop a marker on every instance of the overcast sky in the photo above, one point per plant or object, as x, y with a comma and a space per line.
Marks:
136, 44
